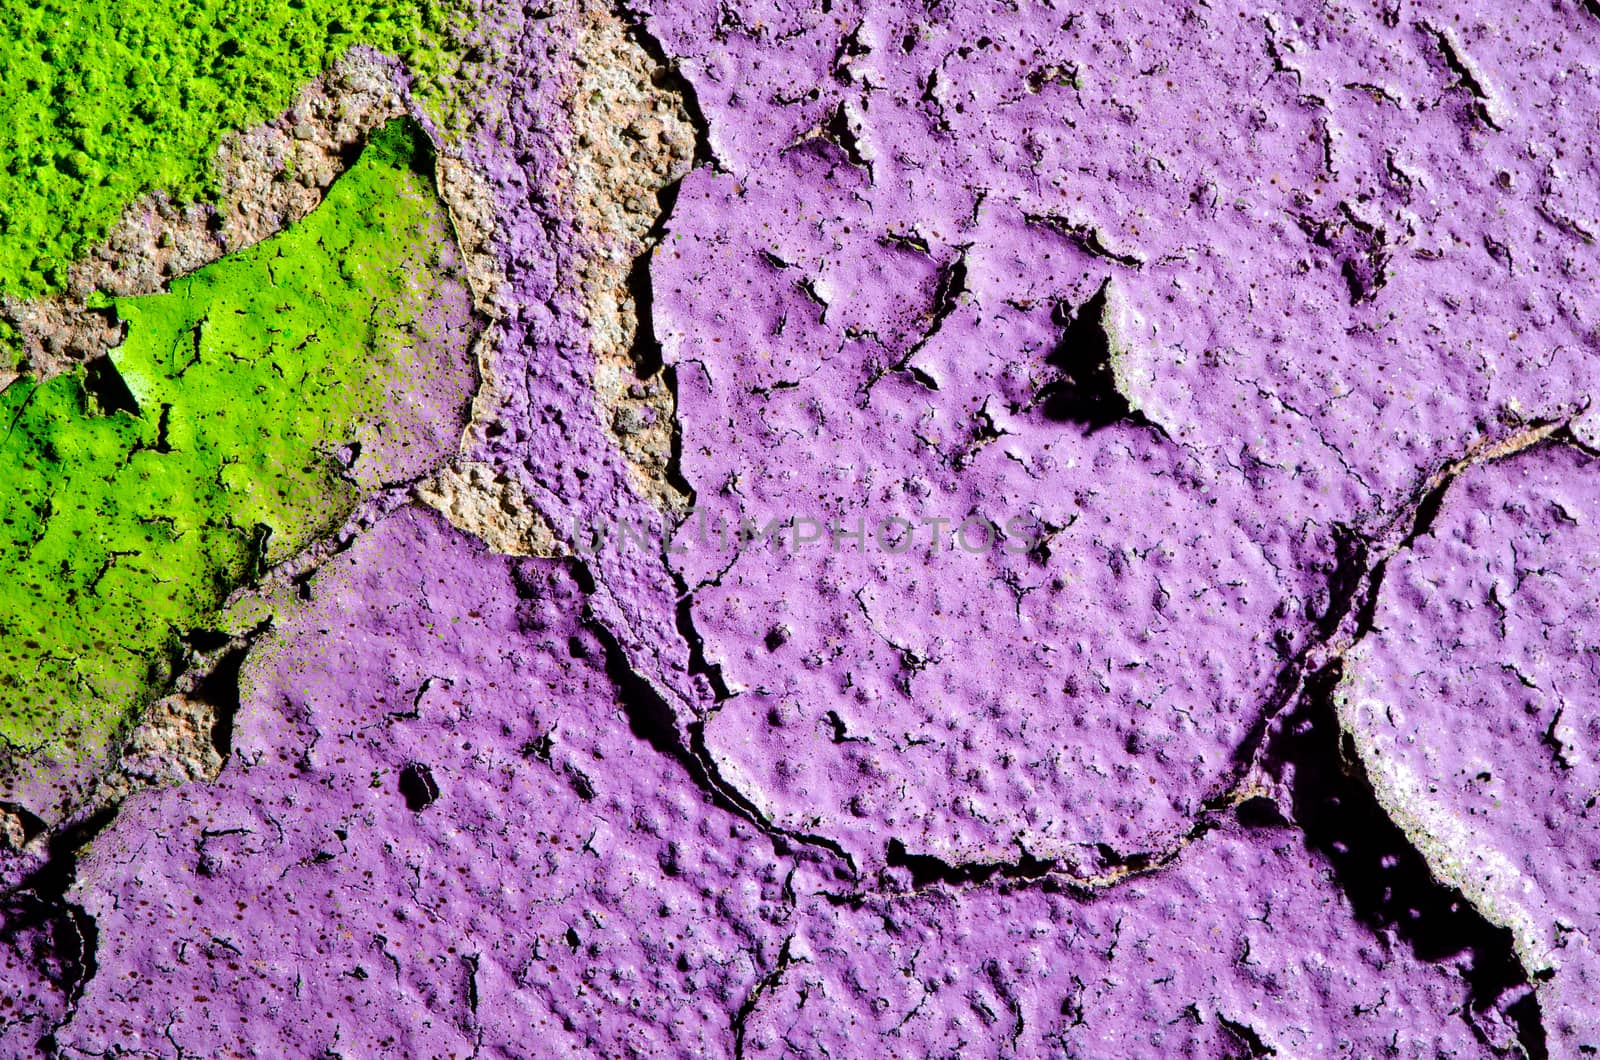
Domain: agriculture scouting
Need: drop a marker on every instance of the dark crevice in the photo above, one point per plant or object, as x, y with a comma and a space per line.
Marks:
32, 825
1298, 741
582, 577
765, 984
927, 869
105, 385
1427, 511
808, 287
1524, 1016
1258, 811
75, 934
698, 666
1388, 883
1246, 1039
55, 876
912, 241
1360, 248
582, 786
675, 476
1356, 577
219, 689
471, 962
932, 107
837, 131
653, 720
1366, 607
850, 46
196, 338
1111, 867
1083, 388
840, 731
1285, 690
1465, 78
349, 153
648, 358
418, 787
260, 535
1351, 559
668, 77
950, 285
1086, 238
162, 445
1364, 276
649, 716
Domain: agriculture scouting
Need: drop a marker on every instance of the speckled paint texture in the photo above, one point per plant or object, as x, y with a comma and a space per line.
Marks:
1121, 582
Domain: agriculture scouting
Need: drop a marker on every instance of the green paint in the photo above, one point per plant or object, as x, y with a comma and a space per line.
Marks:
104, 100
123, 529
10, 347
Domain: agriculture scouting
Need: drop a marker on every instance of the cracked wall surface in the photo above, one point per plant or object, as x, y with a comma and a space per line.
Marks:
975, 530
1472, 707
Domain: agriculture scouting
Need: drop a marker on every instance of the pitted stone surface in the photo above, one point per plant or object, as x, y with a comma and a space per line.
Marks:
438, 835
544, 876
1170, 965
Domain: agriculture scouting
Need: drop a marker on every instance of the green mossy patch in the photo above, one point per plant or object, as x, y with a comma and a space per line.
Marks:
104, 100
141, 491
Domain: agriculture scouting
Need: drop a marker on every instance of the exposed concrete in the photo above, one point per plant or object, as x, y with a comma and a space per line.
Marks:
493, 508
632, 139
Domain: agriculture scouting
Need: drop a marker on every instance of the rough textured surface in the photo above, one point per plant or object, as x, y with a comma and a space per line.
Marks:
106, 100
267, 177
633, 139
914, 343
1171, 966
1473, 707
492, 507
433, 750
1205, 307
142, 492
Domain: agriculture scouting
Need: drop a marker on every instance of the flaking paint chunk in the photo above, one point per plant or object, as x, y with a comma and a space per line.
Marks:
1474, 707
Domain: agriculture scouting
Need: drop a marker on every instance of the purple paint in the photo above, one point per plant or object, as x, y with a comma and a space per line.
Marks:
1475, 708
710, 803
567, 891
